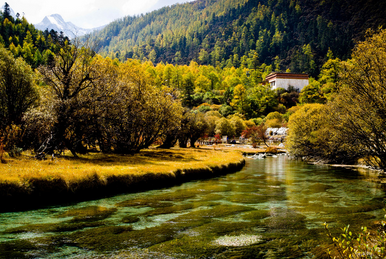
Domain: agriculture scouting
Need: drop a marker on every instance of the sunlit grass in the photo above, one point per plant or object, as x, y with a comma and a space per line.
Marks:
22, 170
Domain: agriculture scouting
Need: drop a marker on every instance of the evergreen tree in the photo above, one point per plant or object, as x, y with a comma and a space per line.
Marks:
7, 11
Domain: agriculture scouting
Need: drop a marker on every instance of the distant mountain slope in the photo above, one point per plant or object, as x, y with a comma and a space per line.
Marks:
56, 22
289, 34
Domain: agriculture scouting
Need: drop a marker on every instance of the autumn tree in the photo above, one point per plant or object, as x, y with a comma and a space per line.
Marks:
141, 112
306, 125
238, 124
211, 118
260, 100
312, 93
192, 128
360, 107
329, 77
105, 104
239, 96
224, 127
17, 89
314, 134
274, 120
256, 133
71, 73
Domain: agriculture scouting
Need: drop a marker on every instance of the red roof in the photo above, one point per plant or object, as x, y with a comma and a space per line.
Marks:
286, 76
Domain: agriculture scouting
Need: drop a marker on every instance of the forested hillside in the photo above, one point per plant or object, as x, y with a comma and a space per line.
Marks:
24, 40
288, 34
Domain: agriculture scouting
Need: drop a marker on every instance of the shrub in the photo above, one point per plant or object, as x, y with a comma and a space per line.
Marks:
274, 115
15, 151
226, 110
274, 123
11, 137
257, 121
204, 108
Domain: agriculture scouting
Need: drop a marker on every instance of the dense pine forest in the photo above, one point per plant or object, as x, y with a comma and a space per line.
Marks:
290, 35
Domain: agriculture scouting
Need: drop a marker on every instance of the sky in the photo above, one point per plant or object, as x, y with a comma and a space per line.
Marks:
86, 14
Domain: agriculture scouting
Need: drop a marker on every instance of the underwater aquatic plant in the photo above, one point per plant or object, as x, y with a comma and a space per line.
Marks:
366, 244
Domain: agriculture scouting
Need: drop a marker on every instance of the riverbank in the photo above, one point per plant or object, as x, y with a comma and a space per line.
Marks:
248, 150
26, 183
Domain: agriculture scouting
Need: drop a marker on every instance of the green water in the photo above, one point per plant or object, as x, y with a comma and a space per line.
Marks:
273, 208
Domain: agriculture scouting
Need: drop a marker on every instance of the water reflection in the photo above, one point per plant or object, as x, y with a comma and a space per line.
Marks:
273, 208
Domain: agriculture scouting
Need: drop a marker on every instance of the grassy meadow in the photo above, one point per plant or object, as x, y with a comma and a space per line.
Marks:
25, 181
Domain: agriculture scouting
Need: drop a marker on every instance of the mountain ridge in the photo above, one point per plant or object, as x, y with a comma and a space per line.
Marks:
288, 33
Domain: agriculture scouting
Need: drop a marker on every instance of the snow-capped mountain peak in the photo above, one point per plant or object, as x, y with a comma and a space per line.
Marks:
57, 23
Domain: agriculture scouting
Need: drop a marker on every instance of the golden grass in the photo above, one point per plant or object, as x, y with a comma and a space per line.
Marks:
21, 171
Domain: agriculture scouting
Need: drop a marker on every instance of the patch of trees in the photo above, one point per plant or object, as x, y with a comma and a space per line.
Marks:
81, 101
351, 125
18, 93
23, 40
100, 103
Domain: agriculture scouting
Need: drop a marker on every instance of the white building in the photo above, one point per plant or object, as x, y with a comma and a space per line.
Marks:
286, 80
276, 131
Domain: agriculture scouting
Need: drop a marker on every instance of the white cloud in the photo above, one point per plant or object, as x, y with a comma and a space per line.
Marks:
133, 7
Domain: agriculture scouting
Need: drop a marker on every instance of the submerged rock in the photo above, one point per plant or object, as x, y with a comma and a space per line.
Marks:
241, 240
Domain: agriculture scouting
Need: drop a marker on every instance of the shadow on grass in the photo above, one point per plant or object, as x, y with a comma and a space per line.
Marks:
145, 157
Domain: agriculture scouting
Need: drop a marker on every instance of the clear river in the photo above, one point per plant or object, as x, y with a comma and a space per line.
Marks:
273, 208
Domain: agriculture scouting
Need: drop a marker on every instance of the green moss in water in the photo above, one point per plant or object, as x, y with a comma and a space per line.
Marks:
130, 219
253, 251
323, 207
168, 199
169, 210
256, 215
220, 228
153, 203
52, 227
287, 220
112, 238
179, 208
215, 212
316, 188
248, 198
356, 219
284, 248
101, 239
211, 197
38, 247
196, 218
86, 214
212, 186
16, 249
145, 238
274, 248
189, 247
